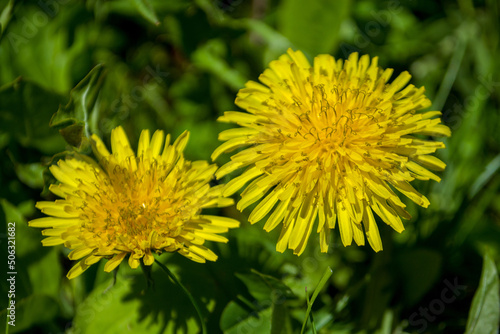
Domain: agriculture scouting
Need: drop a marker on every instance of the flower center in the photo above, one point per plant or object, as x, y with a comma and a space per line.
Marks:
342, 117
131, 207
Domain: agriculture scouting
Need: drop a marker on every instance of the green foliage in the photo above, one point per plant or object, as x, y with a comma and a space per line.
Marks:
236, 320
25, 111
484, 314
310, 302
72, 120
145, 8
73, 68
302, 22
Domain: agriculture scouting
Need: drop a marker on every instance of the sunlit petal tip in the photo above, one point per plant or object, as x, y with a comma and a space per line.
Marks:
181, 142
112, 263
98, 147
77, 270
78, 253
133, 262
143, 142
148, 258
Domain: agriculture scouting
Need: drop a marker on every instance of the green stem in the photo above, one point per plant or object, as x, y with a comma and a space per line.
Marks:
186, 291
451, 73
322, 282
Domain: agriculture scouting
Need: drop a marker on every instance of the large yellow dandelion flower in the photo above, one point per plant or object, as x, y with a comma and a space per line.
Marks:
133, 205
331, 141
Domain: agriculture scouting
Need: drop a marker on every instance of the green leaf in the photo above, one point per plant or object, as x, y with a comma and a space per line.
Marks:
28, 312
174, 279
489, 171
5, 17
38, 48
280, 321
421, 275
277, 44
72, 120
46, 273
451, 74
326, 276
484, 314
387, 321
322, 318
210, 58
129, 306
30, 174
73, 134
25, 112
233, 314
312, 26
27, 238
265, 288
235, 319
309, 306
271, 295
146, 10
38, 268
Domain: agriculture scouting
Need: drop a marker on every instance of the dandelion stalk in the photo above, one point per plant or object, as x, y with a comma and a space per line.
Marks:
186, 291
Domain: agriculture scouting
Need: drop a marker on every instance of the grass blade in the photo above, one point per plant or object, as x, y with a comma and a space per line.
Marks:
322, 282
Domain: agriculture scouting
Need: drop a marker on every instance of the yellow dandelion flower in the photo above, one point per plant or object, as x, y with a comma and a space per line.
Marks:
133, 205
330, 141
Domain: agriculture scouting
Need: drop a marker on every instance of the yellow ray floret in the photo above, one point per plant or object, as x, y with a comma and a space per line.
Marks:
128, 204
330, 143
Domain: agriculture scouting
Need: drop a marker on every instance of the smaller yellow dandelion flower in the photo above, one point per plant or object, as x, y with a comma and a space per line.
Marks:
133, 205
330, 142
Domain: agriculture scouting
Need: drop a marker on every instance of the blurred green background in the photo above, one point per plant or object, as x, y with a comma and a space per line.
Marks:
178, 64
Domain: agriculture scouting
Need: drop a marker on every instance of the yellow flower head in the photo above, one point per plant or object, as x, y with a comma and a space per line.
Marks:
136, 205
332, 141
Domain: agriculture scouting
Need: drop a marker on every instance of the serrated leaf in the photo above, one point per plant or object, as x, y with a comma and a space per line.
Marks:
484, 314
72, 120
73, 134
